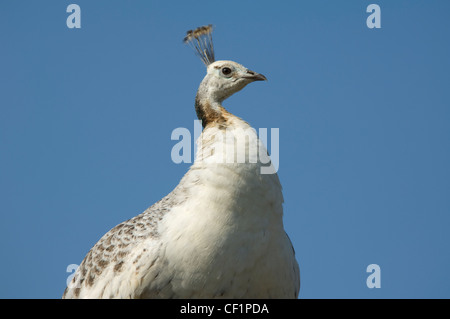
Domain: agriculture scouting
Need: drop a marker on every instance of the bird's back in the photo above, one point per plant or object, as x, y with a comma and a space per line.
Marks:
115, 266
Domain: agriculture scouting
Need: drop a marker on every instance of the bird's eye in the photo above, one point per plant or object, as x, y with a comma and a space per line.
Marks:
226, 71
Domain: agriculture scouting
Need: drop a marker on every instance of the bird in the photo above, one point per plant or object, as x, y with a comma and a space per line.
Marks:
220, 232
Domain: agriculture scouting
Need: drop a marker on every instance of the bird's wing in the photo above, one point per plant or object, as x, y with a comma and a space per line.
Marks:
296, 269
123, 262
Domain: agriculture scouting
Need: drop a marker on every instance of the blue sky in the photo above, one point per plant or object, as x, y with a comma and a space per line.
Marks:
363, 115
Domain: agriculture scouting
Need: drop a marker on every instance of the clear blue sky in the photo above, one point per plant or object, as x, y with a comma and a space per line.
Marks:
364, 119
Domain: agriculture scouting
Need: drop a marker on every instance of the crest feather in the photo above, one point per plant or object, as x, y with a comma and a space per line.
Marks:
200, 40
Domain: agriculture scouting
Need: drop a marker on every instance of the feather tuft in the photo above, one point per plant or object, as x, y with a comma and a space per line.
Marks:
200, 40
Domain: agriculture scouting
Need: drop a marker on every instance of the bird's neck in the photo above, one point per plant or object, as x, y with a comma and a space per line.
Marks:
210, 111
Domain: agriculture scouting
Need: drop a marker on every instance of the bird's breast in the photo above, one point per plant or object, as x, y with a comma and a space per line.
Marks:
231, 218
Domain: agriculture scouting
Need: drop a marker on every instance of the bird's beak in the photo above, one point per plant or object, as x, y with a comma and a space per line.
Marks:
254, 76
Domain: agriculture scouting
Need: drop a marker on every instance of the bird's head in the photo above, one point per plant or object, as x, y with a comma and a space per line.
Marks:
223, 78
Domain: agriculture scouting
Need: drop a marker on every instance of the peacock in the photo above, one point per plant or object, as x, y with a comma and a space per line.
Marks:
219, 233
